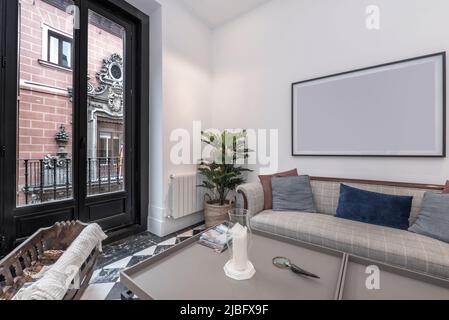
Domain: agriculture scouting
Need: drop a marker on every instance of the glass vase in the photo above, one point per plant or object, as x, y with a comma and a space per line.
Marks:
239, 238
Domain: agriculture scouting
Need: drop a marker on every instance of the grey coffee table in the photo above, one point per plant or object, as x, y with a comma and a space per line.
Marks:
190, 271
395, 283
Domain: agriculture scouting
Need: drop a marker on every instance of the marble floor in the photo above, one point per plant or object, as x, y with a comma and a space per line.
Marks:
126, 253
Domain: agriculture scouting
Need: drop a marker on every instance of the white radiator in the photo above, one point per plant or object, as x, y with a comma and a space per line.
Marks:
184, 196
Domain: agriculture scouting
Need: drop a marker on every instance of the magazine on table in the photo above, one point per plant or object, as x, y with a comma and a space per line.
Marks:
215, 238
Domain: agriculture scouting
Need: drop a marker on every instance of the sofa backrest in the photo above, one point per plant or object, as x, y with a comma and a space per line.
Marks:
326, 194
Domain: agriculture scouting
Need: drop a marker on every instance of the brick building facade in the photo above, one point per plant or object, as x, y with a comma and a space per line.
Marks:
44, 101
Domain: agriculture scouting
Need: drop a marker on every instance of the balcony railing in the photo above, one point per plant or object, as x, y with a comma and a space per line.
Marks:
45, 180
104, 175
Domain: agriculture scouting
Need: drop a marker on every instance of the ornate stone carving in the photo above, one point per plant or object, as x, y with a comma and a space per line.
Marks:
50, 162
107, 97
116, 97
62, 138
112, 70
96, 91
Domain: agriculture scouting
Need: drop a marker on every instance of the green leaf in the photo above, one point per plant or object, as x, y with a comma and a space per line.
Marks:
220, 172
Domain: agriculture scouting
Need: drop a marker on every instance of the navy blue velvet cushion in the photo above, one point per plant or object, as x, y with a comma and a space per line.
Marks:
374, 208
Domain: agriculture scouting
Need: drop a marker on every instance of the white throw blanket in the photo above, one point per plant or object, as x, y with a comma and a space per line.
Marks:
56, 281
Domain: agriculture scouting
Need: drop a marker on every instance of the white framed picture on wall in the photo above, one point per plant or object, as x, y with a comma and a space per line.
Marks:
396, 109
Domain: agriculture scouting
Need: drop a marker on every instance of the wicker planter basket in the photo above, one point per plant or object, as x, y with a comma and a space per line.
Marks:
43, 249
215, 214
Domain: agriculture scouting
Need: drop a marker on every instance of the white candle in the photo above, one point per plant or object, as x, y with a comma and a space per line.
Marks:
240, 247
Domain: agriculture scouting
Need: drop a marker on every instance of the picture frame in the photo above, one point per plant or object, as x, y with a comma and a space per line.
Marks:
334, 116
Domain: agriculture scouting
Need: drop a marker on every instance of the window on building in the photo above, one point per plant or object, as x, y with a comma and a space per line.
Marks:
59, 49
110, 145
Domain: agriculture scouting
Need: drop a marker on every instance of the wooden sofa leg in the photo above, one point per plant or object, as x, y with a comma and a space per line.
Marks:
245, 200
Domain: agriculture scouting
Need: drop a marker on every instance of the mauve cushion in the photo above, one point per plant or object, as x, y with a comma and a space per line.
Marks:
446, 189
265, 180
374, 208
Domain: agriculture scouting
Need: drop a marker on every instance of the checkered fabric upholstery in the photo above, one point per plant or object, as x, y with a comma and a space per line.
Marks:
396, 247
253, 192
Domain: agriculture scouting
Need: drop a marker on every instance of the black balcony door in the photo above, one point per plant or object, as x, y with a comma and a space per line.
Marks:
107, 188
2, 103
75, 126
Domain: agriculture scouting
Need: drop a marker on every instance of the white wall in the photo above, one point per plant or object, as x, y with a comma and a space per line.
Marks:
187, 83
180, 92
257, 57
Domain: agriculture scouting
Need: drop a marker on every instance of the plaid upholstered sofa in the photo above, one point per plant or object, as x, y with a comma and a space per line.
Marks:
395, 247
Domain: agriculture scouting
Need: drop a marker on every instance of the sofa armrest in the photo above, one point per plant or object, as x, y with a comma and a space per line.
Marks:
253, 197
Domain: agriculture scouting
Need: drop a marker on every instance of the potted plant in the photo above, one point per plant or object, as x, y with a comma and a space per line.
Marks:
221, 172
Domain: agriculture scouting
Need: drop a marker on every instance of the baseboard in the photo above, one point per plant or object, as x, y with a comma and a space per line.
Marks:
164, 226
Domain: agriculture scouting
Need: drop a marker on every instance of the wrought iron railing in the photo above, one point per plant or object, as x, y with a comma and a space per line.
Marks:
50, 179
104, 175
45, 178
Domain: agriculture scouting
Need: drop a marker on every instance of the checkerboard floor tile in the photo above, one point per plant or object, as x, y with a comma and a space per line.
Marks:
105, 283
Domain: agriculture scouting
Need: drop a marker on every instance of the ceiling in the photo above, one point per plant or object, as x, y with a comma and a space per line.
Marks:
218, 12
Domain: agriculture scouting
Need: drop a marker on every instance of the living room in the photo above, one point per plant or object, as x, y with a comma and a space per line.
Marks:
302, 135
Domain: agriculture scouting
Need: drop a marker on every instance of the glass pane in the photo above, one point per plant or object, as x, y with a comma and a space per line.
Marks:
53, 49
44, 107
66, 54
106, 106
103, 147
116, 147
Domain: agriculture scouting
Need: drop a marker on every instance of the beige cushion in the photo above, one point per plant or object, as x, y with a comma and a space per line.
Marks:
392, 246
